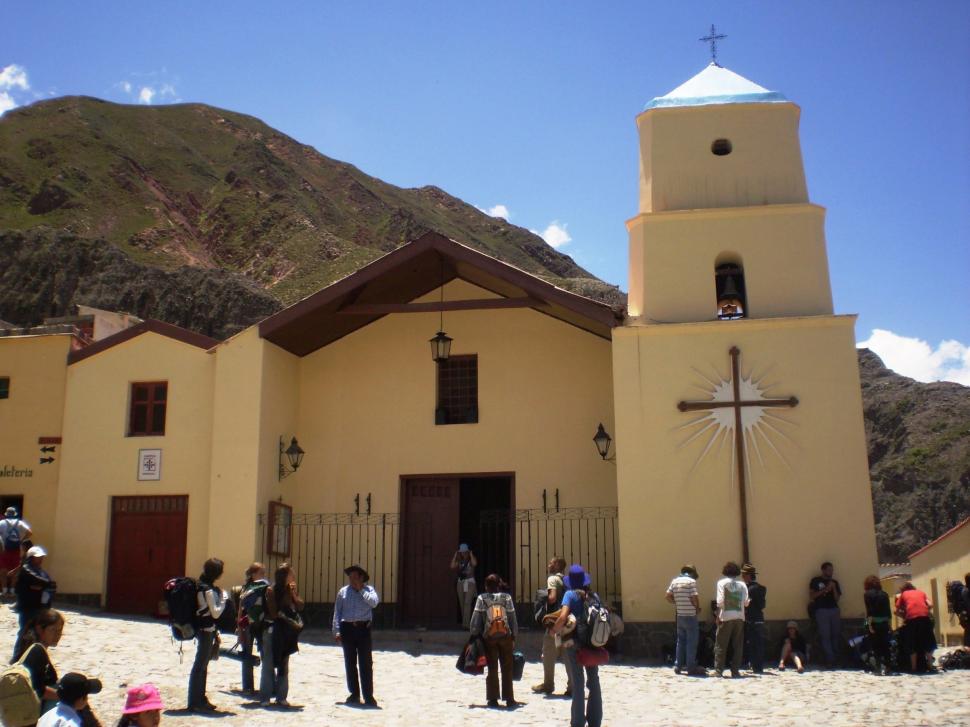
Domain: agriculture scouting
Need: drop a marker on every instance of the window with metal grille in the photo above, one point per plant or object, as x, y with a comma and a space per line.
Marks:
4, 387
457, 390
147, 414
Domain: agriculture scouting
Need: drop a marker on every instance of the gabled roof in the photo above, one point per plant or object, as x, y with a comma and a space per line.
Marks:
411, 271
947, 534
149, 326
715, 85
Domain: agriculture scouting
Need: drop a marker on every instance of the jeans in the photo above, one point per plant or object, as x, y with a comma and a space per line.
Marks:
686, 657
274, 679
580, 680
550, 655
730, 635
200, 668
466, 599
356, 642
829, 624
498, 652
754, 644
246, 658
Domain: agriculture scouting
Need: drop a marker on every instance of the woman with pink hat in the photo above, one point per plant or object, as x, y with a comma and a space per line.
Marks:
143, 707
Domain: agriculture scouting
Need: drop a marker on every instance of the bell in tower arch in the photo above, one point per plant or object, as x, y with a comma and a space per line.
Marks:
729, 283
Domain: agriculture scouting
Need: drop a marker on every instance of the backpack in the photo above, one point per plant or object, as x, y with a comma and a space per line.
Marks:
252, 602
956, 601
181, 595
19, 704
541, 605
11, 539
594, 627
496, 621
226, 623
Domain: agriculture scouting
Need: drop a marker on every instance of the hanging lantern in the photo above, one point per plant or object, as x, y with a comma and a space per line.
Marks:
440, 346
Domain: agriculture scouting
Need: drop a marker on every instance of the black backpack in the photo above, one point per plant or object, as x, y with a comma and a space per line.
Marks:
541, 606
181, 596
226, 623
956, 596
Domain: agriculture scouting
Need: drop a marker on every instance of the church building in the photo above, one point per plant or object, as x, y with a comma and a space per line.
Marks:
439, 396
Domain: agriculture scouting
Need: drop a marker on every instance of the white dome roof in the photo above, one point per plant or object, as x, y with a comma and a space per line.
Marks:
716, 85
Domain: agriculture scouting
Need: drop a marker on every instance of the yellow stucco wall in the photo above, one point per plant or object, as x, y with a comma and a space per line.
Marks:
948, 560
780, 247
37, 368
100, 460
677, 507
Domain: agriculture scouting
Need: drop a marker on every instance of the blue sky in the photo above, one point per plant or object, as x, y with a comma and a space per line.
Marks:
531, 106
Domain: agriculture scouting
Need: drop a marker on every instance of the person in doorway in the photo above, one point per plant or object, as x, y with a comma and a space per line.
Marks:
574, 603
793, 648
249, 633
465, 562
879, 623
914, 607
494, 620
754, 619
211, 603
825, 593
283, 606
35, 588
42, 633
13, 532
143, 707
732, 598
551, 653
353, 616
73, 690
682, 592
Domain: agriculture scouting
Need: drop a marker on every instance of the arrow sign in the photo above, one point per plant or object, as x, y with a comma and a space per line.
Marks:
46, 460
48, 449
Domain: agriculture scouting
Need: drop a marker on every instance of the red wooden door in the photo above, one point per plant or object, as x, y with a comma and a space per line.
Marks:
147, 548
430, 532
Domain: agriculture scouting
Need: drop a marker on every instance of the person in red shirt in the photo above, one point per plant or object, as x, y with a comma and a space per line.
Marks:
914, 606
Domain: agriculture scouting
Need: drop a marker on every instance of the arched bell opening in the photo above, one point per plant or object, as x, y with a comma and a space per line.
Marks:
732, 302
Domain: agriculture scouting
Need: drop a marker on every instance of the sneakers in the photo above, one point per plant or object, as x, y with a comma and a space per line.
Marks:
676, 670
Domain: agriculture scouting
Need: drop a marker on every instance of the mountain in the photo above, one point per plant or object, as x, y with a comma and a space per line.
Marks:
919, 456
192, 185
212, 220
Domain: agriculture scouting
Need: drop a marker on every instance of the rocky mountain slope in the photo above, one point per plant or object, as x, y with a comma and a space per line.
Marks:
212, 220
192, 185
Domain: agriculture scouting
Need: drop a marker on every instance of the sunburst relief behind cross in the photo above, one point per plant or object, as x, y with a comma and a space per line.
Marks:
744, 407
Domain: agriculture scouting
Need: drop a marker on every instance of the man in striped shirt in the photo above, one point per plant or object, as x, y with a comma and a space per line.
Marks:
682, 592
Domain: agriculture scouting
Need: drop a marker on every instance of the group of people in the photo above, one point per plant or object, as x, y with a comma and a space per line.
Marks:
739, 617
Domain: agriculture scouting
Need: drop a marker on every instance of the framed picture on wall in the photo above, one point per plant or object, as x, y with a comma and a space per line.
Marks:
278, 529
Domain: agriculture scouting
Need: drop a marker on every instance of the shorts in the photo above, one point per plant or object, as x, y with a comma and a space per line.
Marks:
9, 559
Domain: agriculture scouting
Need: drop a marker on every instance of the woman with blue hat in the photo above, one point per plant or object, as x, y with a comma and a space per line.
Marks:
578, 581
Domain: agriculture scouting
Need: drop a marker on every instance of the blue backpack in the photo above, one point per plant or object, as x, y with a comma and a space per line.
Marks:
11, 541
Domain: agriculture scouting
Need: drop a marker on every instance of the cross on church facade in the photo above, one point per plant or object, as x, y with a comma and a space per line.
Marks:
713, 38
737, 403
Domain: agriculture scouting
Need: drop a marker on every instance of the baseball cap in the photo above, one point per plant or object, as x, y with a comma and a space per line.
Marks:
73, 686
11, 512
463, 548
36, 552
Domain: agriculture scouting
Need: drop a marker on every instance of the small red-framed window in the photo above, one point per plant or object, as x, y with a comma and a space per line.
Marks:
146, 416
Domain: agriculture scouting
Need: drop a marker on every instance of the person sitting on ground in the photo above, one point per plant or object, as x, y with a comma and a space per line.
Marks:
13, 532
494, 620
914, 606
793, 648
72, 695
143, 707
879, 623
211, 602
41, 633
35, 588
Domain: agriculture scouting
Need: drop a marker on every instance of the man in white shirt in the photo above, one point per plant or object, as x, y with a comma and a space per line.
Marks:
72, 695
732, 597
13, 532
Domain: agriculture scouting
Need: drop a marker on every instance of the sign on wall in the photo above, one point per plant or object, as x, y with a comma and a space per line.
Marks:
149, 464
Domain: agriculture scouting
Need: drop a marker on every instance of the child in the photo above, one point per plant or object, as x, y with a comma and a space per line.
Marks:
143, 707
792, 648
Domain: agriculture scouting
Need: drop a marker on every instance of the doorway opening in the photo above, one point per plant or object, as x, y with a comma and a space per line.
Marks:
16, 501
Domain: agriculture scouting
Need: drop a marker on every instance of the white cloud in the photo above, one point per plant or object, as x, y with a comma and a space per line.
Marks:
167, 89
146, 94
14, 76
555, 234
914, 357
6, 102
499, 210
125, 86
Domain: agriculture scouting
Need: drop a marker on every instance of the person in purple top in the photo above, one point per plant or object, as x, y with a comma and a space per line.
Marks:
574, 603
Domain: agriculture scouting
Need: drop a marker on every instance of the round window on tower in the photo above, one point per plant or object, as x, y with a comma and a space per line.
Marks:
721, 147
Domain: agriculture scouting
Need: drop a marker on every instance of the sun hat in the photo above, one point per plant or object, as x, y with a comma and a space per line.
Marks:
791, 625
689, 569
351, 568
577, 576
74, 686
143, 698
748, 568
11, 512
36, 551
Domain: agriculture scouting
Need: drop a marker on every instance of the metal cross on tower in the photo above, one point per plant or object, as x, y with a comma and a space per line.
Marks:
737, 403
713, 38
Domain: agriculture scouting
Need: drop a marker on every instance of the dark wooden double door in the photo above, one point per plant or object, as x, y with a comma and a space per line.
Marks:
147, 547
439, 513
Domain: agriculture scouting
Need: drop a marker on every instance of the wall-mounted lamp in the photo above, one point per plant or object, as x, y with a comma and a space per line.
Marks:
293, 454
602, 440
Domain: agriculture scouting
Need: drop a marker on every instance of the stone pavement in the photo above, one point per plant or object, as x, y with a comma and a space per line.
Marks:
425, 688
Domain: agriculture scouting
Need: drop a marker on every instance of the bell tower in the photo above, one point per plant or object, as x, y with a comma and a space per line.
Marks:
725, 229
